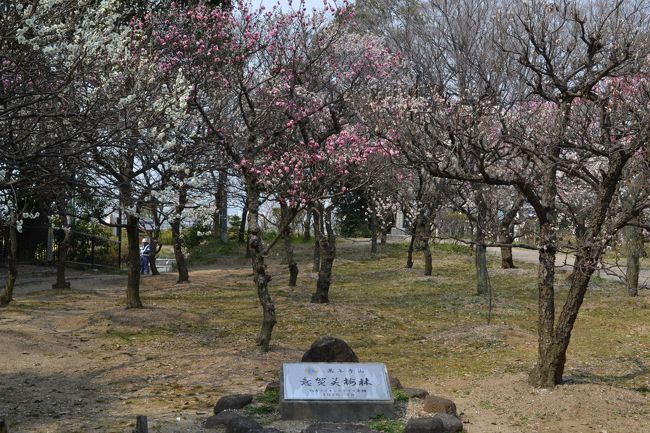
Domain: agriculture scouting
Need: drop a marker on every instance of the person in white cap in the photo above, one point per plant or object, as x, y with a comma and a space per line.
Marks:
144, 257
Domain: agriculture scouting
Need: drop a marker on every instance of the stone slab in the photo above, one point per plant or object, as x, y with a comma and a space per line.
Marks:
342, 402
335, 381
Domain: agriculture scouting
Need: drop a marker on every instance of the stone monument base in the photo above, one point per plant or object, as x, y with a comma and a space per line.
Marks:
335, 411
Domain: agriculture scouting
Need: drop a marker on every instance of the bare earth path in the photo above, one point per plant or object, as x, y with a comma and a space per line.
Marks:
77, 361
613, 272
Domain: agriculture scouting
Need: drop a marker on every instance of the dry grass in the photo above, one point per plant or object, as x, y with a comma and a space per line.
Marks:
193, 343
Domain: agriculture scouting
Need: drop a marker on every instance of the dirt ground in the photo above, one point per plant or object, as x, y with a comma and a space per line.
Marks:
68, 364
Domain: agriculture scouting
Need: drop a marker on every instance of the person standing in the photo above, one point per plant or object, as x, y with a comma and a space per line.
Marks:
144, 257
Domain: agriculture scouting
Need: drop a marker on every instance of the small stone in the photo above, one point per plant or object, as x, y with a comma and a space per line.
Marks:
395, 383
329, 349
273, 386
435, 404
327, 427
416, 392
234, 401
424, 425
450, 422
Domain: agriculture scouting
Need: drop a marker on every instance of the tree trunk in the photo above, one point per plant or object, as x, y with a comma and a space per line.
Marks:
133, 263
62, 255
545, 372
318, 220
12, 265
506, 257
409, 256
223, 205
154, 240
285, 218
550, 365
634, 248
181, 262
482, 278
327, 241
153, 252
507, 232
306, 234
179, 256
632, 274
428, 260
373, 230
241, 233
260, 275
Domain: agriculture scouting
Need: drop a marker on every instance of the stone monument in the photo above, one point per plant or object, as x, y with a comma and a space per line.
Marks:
336, 392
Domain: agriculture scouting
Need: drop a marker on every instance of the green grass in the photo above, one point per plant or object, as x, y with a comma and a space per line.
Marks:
387, 425
211, 250
271, 396
399, 395
421, 327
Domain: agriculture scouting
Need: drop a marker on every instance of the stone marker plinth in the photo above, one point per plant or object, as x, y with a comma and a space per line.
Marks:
335, 392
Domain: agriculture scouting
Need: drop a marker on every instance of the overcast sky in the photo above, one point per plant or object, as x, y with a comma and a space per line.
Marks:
318, 4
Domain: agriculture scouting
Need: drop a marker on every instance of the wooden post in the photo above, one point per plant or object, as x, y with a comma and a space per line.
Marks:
4, 428
140, 424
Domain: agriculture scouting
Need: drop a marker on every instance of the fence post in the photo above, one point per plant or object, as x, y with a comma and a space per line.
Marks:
140, 424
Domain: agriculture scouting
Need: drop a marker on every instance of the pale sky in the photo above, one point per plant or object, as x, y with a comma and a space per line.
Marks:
318, 4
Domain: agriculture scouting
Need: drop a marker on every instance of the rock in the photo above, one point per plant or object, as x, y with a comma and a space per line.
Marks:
273, 386
450, 423
243, 425
234, 401
221, 419
328, 427
395, 383
424, 425
435, 404
416, 392
236, 423
329, 349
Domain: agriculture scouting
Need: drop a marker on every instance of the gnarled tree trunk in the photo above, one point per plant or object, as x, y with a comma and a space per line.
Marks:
327, 241
306, 234
181, 261
258, 261
133, 263
634, 248
482, 277
12, 263
318, 220
507, 233
428, 259
286, 217
62, 254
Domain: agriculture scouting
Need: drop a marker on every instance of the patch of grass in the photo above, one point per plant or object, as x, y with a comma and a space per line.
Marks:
450, 248
386, 425
420, 327
212, 250
272, 396
259, 409
399, 395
